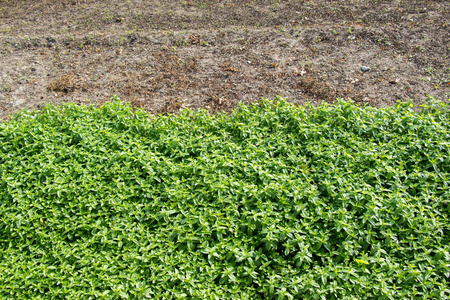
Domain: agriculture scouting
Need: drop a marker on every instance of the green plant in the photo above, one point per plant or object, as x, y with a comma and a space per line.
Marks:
270, 202
430, 70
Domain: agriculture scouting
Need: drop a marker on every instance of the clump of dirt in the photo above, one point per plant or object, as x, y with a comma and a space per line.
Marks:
317, 88
165, 56
67, 83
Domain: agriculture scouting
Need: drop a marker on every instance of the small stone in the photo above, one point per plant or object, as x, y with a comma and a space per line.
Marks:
50, 41
393, 81
365, 69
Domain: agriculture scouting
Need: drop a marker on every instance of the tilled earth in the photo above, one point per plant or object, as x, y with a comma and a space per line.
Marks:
165, 56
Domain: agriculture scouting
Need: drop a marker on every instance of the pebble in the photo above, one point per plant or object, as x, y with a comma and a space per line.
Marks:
393, 81
365, 69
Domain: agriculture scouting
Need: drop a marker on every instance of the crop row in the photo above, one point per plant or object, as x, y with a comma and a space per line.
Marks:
270, 202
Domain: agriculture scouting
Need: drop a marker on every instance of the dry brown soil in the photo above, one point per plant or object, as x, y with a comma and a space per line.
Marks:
167, 55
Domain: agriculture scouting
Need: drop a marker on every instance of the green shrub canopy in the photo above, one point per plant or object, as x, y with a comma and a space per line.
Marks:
270, 202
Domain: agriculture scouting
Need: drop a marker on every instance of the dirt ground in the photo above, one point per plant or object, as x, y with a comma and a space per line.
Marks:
166, 55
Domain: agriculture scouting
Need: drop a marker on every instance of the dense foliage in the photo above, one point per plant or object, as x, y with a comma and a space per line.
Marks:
271, 202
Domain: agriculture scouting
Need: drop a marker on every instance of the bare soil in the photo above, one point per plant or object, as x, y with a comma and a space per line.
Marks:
165, 56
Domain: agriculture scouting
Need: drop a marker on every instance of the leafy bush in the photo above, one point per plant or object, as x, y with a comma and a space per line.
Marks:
271, 202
